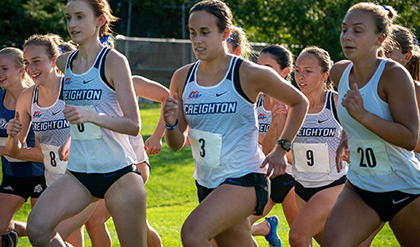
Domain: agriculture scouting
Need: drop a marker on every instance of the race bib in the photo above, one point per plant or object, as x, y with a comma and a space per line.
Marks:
206, 147
369, 157
8, 158
311, 157
52, 160
85, 131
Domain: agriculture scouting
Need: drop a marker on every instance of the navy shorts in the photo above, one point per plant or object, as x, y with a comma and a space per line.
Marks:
23, 187
257, 180
385, 204
280, 187
307, 193
99, 183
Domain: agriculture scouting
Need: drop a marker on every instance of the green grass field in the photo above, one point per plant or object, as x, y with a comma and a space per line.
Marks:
171, 195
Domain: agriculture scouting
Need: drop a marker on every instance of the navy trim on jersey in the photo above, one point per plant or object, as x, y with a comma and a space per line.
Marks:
35, 94
98, 60
236, 81
229, 75
70, 59
191, 73
334, 109
330, 104
61, 97
260, 100
102, 69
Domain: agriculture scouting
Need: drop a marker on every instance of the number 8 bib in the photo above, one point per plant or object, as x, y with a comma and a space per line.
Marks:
206, 147
369, 157
85, 131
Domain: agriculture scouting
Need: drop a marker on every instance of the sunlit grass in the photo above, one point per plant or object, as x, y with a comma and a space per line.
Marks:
171, 195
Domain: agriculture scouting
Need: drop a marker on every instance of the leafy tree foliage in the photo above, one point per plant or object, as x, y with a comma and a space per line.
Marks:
21, 18
299, 23
295, 23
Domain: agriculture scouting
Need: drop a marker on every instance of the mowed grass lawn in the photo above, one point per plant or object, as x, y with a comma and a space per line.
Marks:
171, 195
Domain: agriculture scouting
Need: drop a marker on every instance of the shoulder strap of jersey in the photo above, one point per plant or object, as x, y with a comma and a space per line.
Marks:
236, 80
191, 75
61, 97
100, 63
70, 59
333, 108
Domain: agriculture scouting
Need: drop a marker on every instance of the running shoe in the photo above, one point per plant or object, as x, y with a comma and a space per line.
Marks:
9, 239
272, 237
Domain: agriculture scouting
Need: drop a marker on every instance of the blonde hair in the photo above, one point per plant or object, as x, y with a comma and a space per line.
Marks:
17, 57
238, 39
406, 41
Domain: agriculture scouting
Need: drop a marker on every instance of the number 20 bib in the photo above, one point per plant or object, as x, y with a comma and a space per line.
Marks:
369, 157
206, 147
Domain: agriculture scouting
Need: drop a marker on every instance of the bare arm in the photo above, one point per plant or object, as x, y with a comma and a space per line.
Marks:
18, 129
118, 74
173, 112
255, 79
417, 88
152, 90
278, 121
61, 61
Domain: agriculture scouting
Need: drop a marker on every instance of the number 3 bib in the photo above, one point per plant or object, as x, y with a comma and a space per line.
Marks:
85, 131
369, 157
206, 147
311, 157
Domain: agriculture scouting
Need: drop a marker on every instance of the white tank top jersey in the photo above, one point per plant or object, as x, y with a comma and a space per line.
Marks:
315, 145
138, 147
264, 122
223, 128
264, 116
376, 165
94, 149
52, 130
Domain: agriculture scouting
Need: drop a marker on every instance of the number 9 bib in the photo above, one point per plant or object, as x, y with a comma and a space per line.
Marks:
311, 157
206, 147
369, 157
85, 131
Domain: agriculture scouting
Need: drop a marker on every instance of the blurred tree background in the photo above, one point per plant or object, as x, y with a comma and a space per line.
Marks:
295, 23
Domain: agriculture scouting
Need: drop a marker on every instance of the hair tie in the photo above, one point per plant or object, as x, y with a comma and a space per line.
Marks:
231, 35
415, 41
104, 40
385, 7
62, 49
230, 38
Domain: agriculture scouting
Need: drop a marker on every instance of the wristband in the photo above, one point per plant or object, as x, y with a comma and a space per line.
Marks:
172, 127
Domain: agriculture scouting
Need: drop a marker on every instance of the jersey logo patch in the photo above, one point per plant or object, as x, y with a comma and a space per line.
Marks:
262, 116
321, 121
67, 81
3, 123
37, 114
194, 95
